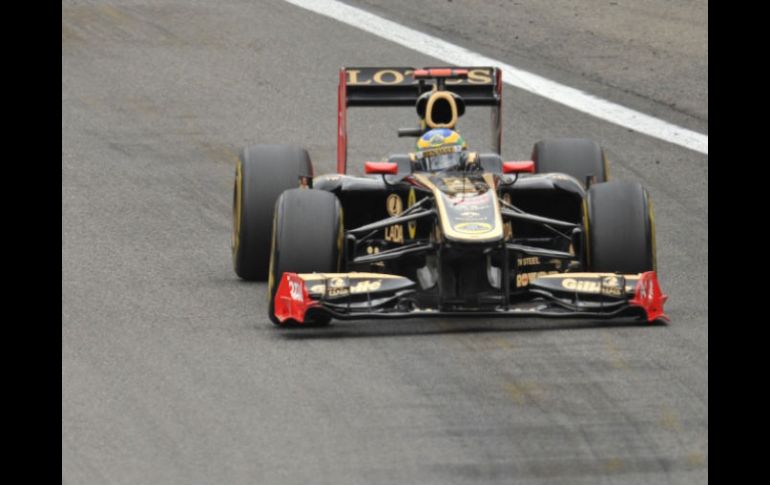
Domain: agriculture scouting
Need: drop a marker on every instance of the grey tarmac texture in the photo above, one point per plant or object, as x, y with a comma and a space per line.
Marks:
171, 371
628, 51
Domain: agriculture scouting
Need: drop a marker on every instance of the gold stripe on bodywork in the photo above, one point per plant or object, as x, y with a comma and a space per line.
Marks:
590, 275
490, 180
354, 274
446, 226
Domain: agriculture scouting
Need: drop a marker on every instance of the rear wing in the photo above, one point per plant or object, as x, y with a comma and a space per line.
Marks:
400, 86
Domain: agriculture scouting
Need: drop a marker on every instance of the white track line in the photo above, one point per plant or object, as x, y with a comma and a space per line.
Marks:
454, 54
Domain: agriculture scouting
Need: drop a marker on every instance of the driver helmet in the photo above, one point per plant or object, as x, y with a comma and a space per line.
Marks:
441, 149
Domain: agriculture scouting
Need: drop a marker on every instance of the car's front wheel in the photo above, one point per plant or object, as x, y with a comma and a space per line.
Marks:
620, 228
307, 237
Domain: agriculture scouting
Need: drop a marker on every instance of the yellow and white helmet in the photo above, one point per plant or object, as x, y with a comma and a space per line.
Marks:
440, 149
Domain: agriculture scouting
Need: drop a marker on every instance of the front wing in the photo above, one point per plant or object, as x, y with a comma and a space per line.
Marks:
346, 296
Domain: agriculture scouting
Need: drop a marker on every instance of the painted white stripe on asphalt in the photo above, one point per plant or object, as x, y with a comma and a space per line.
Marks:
454, 54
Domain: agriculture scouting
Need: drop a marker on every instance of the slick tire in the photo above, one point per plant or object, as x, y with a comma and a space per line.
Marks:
620, 228
307, 237
577, 157
262, 174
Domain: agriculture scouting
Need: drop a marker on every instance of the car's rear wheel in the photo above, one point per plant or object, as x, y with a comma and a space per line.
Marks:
620, 228
577, 157
262, 173
307, 237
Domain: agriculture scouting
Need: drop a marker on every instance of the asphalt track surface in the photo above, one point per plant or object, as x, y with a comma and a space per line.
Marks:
171, 371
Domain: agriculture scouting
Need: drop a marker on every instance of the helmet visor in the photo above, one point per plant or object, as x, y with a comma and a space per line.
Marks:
441, 159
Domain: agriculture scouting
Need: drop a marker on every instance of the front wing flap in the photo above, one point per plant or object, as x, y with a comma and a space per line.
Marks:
348, 296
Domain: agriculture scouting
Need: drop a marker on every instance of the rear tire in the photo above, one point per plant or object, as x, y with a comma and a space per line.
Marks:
578, 157
620, 228
262, 174
307, 238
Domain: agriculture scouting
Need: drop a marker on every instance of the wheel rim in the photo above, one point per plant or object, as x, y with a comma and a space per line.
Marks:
237, 208
652, 234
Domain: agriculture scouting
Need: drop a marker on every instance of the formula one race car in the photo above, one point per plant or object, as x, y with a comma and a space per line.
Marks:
442, 230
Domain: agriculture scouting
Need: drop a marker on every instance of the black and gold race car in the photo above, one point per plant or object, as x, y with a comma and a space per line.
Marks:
443, 231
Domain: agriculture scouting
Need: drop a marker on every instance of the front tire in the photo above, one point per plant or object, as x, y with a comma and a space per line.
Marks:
262, 174
620, 228
307, 237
